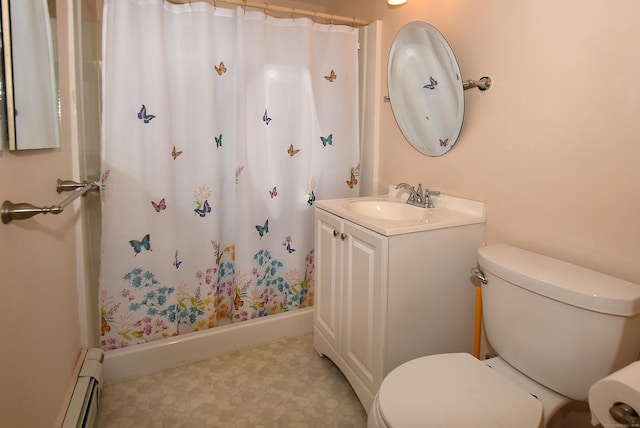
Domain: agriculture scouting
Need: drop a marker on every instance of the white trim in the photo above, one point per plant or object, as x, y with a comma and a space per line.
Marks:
370, 60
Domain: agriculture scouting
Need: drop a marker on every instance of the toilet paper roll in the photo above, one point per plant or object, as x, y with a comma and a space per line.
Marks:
622, 386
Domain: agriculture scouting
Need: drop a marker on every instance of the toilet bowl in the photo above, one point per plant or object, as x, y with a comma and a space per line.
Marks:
457, 390
542, 316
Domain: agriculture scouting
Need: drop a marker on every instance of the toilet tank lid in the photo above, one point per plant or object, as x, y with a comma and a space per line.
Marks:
562, 281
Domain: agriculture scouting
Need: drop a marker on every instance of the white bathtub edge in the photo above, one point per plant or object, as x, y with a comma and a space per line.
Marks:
138, 360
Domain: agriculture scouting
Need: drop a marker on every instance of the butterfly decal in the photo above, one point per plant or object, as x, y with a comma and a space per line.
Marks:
142, 114
105, 328
331, 77
203, 210
160, 206
263, 229
353, 181
273, 193
328, 141
231, 250
432, 84
287, 244
220, 70
237, 301
139, 245
218, 141
291, 150
312, 197
266, 119
175, 153
177, 262
443, 143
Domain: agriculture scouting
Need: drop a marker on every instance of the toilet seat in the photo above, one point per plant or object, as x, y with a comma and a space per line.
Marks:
453, 390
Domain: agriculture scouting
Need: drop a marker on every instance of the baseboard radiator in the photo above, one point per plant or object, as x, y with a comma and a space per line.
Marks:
83, 407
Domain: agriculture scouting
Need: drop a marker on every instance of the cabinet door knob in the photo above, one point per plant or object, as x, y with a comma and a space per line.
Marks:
335, 233
343, 236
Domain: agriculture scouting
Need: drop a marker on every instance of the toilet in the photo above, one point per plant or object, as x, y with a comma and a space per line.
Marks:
557, 328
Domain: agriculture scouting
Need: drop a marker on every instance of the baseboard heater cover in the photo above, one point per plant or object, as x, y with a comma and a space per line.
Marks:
83, 407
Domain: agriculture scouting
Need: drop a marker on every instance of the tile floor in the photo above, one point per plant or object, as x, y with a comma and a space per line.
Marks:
282, 384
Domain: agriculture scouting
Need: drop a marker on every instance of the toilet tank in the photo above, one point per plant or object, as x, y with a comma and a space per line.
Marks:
560, 324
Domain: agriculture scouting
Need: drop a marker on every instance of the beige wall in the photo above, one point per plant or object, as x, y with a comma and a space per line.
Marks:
39, 325
554, 146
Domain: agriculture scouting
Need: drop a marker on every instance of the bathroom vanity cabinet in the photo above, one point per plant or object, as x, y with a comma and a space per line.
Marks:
382, 299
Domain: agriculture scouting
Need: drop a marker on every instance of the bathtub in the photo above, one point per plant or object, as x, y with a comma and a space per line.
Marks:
125, 363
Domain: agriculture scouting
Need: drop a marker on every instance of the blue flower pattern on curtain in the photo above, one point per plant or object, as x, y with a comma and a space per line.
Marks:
220, 129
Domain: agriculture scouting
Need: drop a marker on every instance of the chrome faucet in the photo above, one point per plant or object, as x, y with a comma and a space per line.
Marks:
415, 196
418, 197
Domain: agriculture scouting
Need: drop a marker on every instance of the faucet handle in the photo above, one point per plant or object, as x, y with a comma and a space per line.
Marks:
427, 197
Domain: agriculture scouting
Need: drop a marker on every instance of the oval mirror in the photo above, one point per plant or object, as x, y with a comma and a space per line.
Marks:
425, 89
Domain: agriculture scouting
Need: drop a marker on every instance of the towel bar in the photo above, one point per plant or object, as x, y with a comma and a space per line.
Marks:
22, 210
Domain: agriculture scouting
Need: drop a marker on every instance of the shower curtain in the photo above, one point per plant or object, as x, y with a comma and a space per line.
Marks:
221, 127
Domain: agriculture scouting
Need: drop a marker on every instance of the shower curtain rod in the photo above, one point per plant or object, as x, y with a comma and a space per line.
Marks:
293, 11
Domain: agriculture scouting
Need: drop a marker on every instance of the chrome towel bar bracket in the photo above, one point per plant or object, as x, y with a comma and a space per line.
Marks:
22, 210
483, 84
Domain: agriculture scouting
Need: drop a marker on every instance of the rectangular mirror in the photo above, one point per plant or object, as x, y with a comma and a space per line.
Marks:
29, 88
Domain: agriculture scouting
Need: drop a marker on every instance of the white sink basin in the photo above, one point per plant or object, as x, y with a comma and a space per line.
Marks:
387, 210
393, 216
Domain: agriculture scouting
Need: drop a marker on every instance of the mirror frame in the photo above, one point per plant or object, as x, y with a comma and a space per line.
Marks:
425, 88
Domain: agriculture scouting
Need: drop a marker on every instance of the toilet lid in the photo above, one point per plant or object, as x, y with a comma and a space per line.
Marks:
454, 390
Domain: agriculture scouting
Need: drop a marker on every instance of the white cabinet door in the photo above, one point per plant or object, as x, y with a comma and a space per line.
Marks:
364, 266
328, 278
